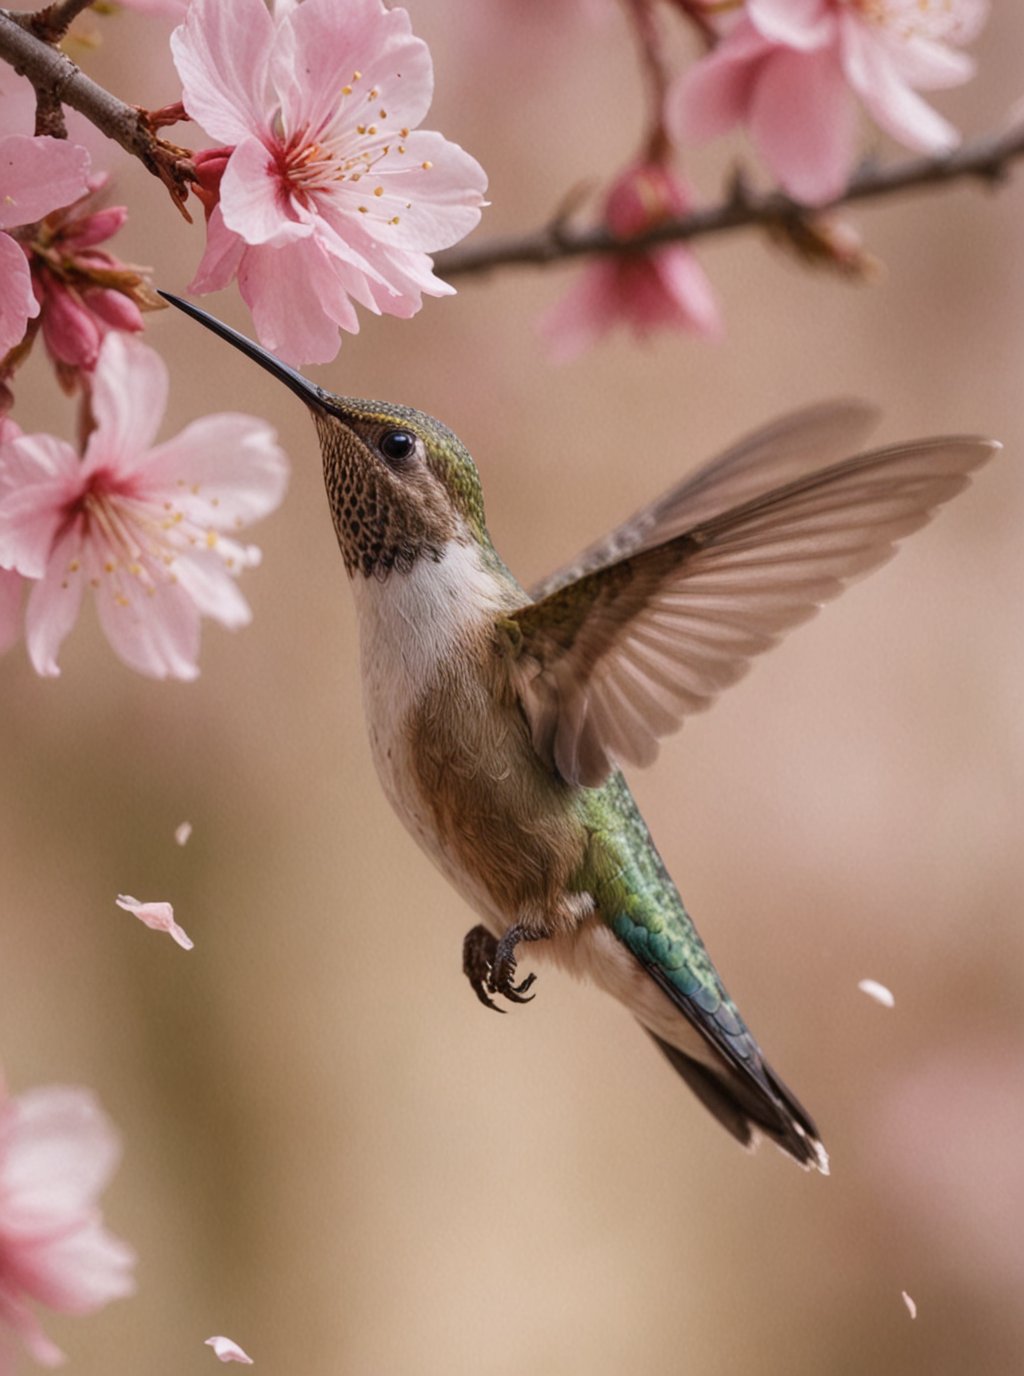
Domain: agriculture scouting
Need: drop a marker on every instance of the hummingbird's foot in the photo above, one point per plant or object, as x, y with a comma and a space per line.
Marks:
503, 966
478, 950
490, 965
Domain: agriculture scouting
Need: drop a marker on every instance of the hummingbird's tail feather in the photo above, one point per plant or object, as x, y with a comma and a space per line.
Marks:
747, 1111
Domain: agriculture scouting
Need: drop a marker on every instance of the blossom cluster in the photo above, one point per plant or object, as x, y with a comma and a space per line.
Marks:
793, 73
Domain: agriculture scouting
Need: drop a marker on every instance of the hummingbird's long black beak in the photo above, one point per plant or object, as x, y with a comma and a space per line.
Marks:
307, 391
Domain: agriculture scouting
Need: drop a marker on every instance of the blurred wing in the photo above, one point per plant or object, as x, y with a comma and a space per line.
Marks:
609, 664
799, 443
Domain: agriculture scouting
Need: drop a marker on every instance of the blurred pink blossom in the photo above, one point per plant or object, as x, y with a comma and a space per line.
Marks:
664, 287
83, 290
159, 917
58, 1151
228, 1351
788, 68
36, 176
330, 194
150, 530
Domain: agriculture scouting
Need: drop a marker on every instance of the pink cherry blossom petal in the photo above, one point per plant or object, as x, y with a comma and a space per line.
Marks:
54, 603
875, 76
221, 53
158, 916
129, 397
911, 1304
393, 63
39, 472
253, 202
228, 1351
226, 468
18, 304
37, 176
182, 832
222, 258
932, 66
209, 586
153, 629
425, 191
713, 95
57, 1152
878, 992
803, 122
297, 301
801, 24
687, 284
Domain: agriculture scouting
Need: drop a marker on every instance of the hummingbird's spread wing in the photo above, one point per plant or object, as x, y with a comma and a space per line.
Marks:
608, 664
801, 442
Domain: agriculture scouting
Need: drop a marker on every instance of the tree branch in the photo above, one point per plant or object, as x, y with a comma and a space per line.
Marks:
58, 81
52, 22
987, 158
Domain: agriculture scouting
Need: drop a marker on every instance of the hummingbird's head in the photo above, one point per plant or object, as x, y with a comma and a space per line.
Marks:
400, 484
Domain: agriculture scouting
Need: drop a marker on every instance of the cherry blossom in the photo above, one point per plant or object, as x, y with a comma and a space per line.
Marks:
789, 70
330, 194
159, 917
228, 1351
663, 287
151, 530
58, 1150
36, 176
84, 292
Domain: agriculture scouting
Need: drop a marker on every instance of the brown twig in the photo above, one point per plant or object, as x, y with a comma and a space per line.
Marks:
53, 21
987, 159
58, 81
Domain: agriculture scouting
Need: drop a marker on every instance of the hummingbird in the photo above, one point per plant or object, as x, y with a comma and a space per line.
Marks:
499, 717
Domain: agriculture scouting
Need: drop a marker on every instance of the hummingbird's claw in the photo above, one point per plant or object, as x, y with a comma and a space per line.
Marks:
503, 966
478, 950
490, 965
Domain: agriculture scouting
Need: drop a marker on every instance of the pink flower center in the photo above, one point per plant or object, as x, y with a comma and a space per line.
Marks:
338, 155
126, 534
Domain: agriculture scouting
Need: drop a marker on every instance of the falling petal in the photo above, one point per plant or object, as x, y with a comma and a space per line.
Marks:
182, 833
911, 1306
878, 992
228, 1351
158, 916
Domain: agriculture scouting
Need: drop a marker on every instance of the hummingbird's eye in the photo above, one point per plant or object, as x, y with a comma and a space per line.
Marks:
397, 445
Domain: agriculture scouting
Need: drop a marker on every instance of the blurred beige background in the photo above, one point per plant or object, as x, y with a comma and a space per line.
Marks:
332, 1153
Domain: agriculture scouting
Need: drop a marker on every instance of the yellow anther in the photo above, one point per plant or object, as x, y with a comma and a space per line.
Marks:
346, 90
405, 133
378, 191
109, 566
393, 220
211, 539
371, 129
426, 166
74, 566
373, 94
360, 128
383, 114
357, 76
362, 210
